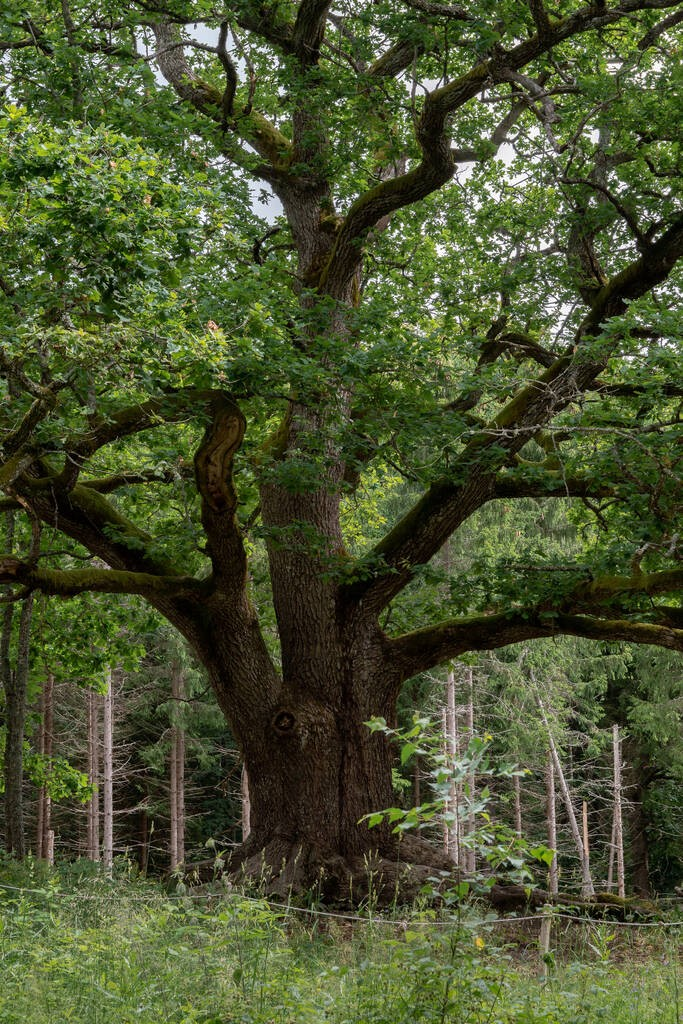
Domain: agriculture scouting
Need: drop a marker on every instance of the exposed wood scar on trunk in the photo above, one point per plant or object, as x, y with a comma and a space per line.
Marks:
214, 458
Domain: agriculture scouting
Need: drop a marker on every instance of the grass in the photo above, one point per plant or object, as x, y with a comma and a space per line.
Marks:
87, 950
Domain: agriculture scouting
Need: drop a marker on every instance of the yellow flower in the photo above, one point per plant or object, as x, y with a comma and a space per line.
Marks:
479, 942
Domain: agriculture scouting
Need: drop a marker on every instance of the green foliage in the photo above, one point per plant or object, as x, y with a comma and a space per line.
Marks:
78, 948
504, 852
61, 780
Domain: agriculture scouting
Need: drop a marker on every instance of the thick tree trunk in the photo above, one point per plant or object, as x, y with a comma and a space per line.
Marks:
315, 770
314, 767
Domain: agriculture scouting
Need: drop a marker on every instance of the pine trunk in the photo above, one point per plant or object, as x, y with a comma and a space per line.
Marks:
580, 842
551, 815
45, 748
635, 779
453, 830
471, 864
108, 776
246, 804
16, 681
618, 831
93, 807
517, 796
177, 771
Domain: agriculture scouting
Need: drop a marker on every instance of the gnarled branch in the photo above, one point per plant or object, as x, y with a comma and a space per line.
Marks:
213, 472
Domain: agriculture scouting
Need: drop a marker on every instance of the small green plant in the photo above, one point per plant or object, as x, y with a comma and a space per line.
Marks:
600, 941
496, 845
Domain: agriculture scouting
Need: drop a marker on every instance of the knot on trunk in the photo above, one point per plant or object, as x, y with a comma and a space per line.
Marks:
284, 722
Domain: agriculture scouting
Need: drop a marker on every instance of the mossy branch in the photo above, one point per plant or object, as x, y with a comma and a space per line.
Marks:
606, 589
551, 483
433, 645
70, 583
167, 408
87, 517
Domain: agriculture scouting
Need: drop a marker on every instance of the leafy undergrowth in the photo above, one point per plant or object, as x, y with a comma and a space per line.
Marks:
88, 950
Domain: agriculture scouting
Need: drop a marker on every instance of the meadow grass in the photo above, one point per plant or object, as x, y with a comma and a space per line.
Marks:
93, 951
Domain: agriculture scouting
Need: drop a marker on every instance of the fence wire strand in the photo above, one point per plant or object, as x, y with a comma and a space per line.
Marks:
316, 912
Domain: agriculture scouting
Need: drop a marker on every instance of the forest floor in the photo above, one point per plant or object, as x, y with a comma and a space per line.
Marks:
79, 948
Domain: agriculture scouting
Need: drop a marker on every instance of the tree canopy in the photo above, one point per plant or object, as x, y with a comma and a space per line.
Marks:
405, 254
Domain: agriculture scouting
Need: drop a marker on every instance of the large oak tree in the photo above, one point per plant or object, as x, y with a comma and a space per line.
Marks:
469, 279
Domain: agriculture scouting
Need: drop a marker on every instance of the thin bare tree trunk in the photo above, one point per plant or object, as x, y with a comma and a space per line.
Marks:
45, 748
587, 888
93, 834
551, 812
16, 683
445, 831
144, 841
618, 828
611, 858
173, 828
452, 844
108, 776
633, 781
417, 786
49, 720
471, 865
40, 809
517, 794
246, 804
584, 832
177, 779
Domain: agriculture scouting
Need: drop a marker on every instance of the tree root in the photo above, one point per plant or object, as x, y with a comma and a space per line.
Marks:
283, 869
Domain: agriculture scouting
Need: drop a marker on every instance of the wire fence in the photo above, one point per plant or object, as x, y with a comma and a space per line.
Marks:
316, 912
